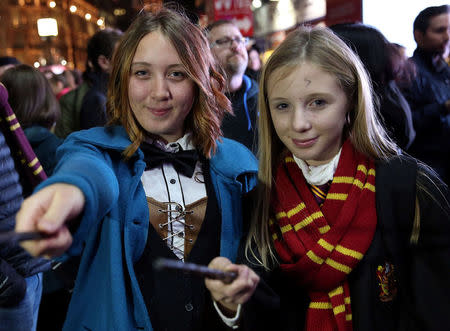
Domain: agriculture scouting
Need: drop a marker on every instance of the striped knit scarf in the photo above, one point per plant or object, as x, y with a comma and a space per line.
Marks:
319, 247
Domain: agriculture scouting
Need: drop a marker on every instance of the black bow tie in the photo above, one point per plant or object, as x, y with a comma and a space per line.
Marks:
183, 161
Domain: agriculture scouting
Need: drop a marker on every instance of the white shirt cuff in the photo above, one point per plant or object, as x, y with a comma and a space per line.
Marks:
231, 322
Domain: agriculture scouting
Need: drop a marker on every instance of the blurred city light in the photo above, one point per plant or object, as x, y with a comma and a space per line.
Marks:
47, 27
119, 12
256, 3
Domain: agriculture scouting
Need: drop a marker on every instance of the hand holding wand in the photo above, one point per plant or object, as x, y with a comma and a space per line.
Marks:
195, 269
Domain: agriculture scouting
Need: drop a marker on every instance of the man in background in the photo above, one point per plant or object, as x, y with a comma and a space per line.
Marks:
429, 93
228, 47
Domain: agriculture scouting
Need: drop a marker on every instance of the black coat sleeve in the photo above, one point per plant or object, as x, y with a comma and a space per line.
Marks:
423, 265
430, 257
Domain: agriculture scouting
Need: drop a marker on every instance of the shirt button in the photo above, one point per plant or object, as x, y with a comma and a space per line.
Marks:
173, 181
189, 307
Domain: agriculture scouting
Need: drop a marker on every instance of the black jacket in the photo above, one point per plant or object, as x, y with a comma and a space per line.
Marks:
93, 107
427, 96
422, 270
397, 115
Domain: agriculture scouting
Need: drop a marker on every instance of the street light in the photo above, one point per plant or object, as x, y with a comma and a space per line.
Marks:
48, 28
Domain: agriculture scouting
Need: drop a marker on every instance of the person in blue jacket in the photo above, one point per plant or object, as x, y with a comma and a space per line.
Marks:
158, 181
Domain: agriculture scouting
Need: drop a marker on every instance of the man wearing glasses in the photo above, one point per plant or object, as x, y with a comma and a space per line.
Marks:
229, 48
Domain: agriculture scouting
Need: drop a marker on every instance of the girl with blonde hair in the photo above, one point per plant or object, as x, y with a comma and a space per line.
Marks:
346, 233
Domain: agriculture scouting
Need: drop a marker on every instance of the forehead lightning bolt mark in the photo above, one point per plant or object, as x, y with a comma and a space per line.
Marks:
307, 82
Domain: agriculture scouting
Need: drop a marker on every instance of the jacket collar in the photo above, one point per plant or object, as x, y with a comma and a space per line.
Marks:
110, 137
432, 61
223, 161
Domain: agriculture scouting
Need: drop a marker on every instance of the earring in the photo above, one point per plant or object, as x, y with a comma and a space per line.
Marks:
347, 118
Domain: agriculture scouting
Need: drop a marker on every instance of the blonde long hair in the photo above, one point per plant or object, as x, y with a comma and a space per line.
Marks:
321, 47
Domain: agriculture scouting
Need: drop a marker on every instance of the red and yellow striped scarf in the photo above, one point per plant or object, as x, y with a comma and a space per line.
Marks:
319, 247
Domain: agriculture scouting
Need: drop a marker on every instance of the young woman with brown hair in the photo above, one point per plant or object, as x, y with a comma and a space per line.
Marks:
158, 181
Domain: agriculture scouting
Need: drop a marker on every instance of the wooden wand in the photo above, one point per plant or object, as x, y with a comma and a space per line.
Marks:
195, 269
13, 237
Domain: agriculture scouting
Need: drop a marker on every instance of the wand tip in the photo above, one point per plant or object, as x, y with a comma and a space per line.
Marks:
158, 264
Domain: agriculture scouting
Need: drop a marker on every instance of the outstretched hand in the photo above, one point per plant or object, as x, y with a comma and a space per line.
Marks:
48, 211
239, 291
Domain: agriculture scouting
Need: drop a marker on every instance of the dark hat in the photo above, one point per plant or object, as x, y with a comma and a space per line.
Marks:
5, 60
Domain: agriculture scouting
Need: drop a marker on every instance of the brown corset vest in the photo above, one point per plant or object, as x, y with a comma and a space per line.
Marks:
195, 214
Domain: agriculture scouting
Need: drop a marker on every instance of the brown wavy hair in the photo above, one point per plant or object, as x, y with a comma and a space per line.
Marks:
210, 104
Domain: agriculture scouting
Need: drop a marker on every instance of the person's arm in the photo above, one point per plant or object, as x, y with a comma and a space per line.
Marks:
260, 307
83, 184
229, 297
48, 211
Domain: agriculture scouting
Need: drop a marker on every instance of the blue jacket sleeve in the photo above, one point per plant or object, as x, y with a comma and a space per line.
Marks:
90, 169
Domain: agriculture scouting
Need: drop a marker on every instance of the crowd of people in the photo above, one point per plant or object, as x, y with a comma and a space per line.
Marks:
317, 180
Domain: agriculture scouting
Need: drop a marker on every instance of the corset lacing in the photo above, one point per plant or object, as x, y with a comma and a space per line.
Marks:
179, 216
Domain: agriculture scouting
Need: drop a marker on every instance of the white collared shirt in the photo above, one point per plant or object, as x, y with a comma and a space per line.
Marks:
165, 184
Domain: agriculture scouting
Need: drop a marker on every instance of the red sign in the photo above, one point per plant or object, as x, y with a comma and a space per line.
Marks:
239, 11
343, 11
